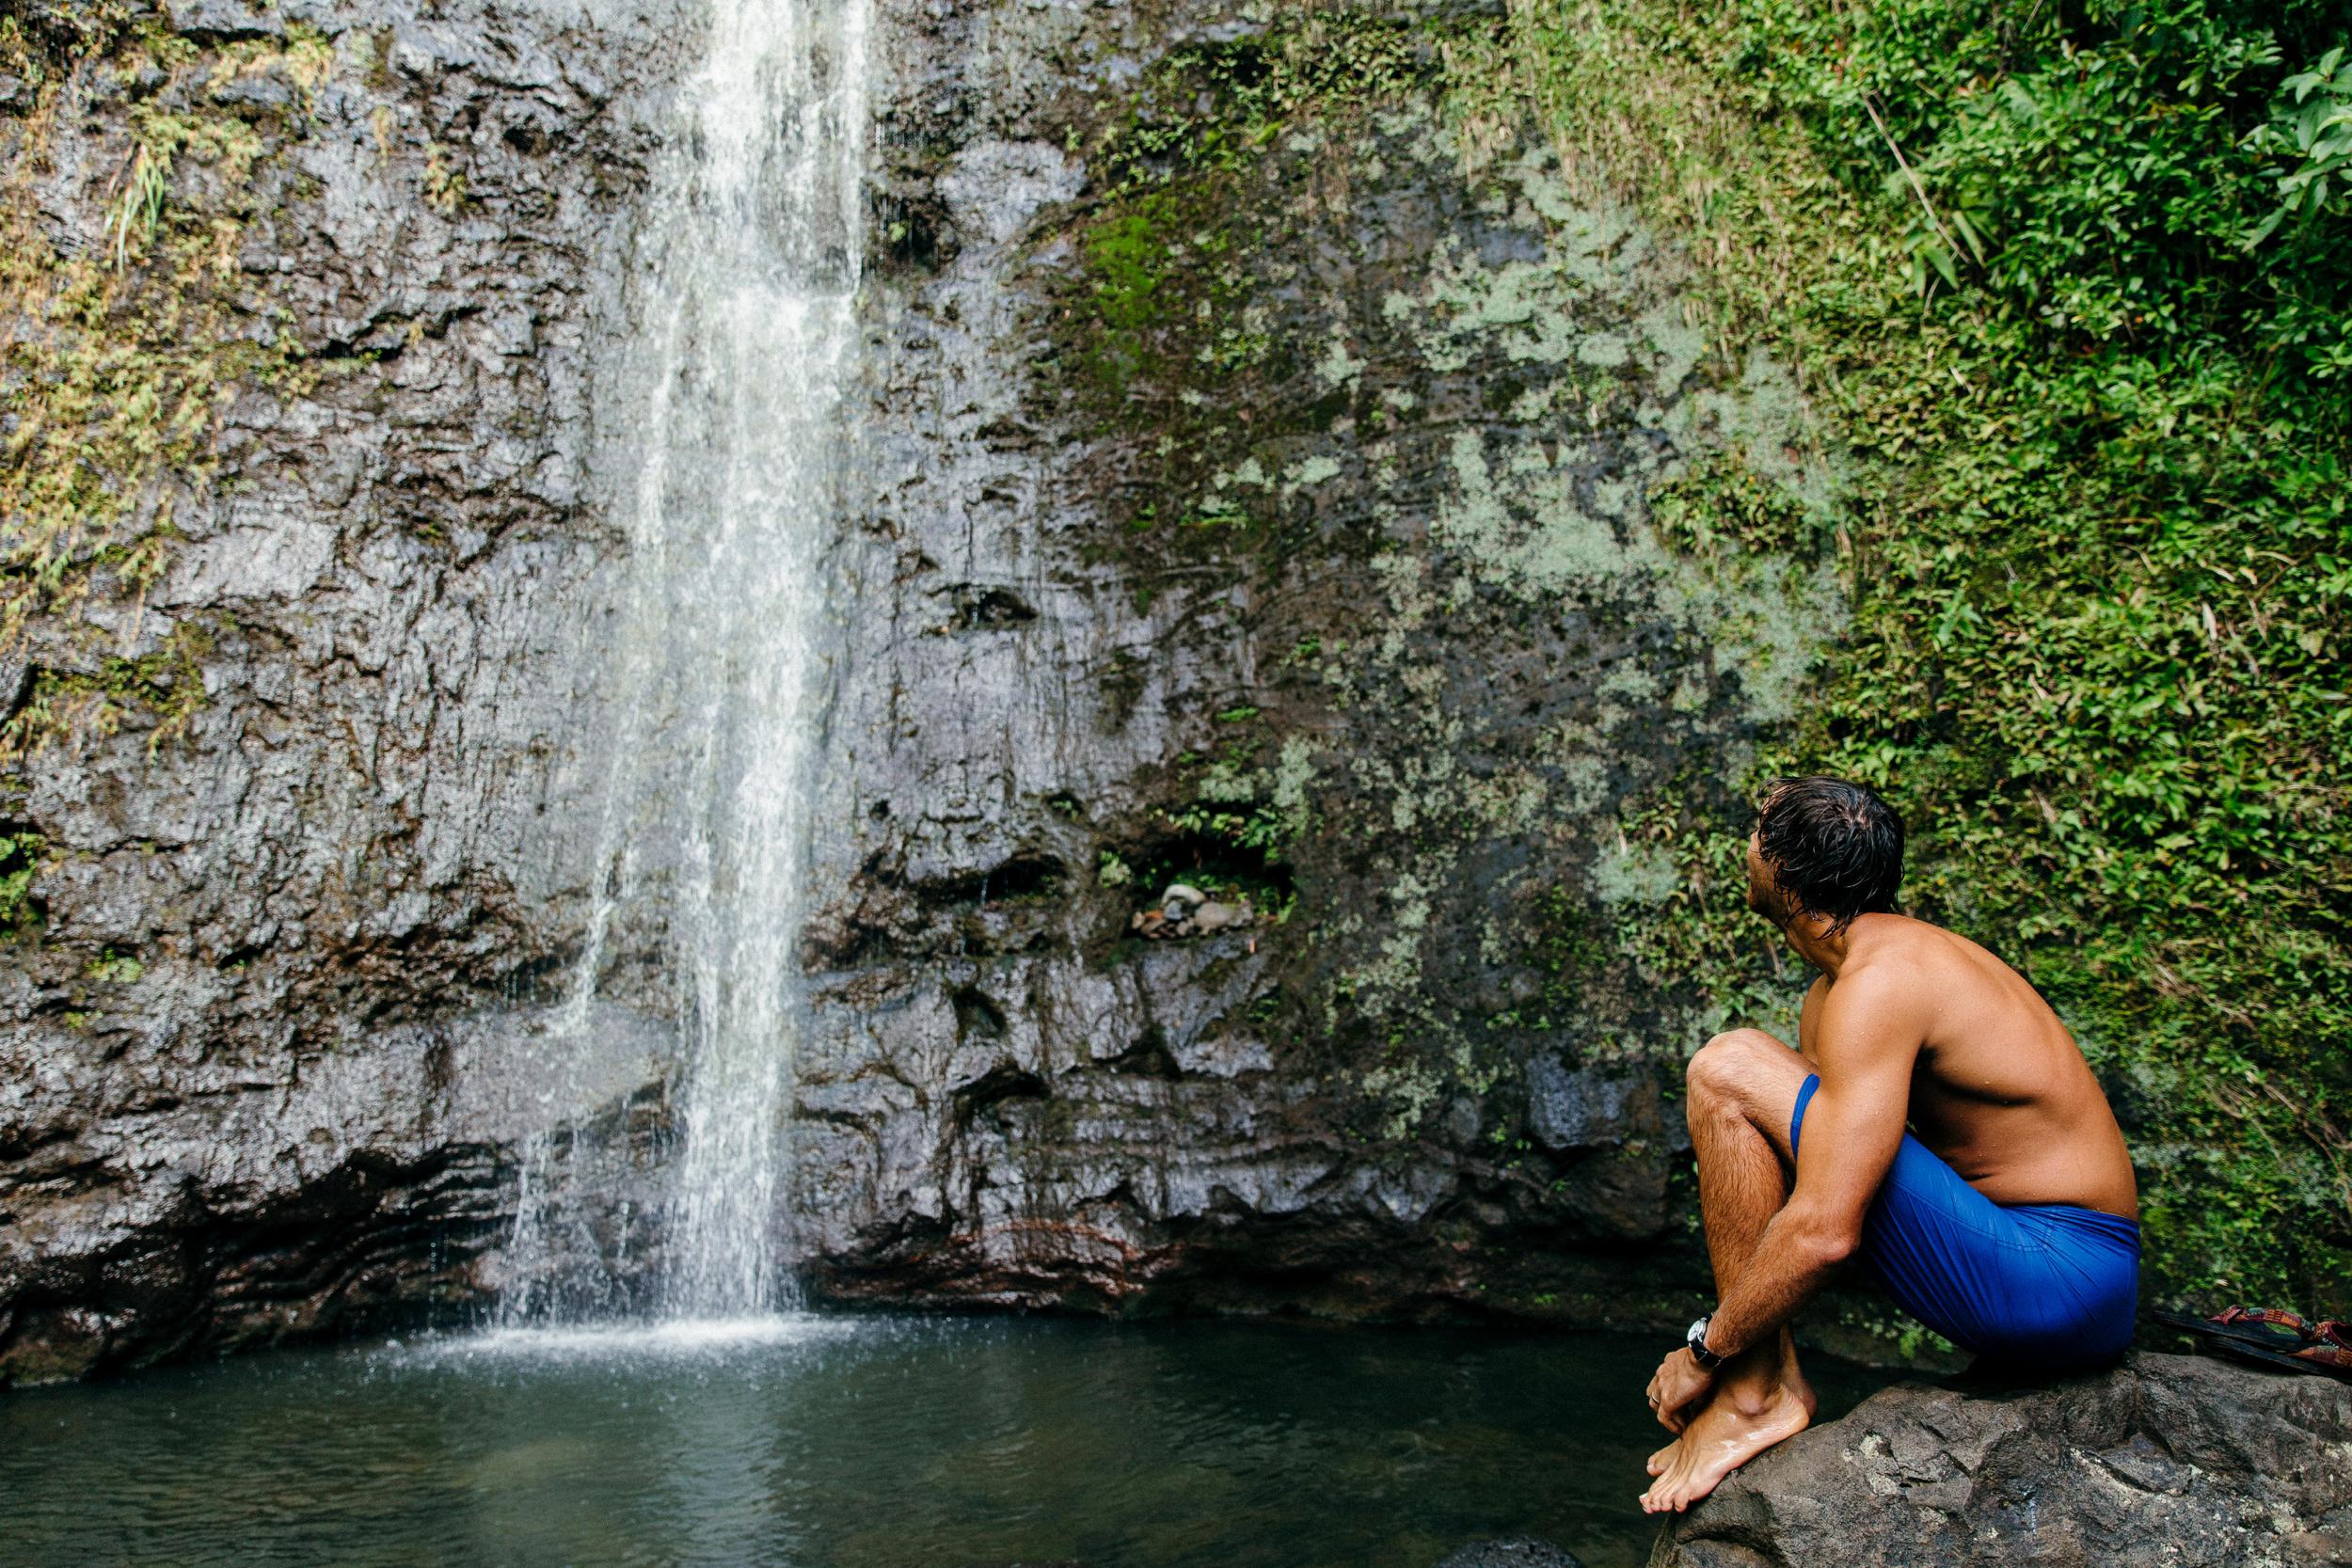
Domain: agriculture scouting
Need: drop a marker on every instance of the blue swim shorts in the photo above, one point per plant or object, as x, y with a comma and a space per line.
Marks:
2047, 1287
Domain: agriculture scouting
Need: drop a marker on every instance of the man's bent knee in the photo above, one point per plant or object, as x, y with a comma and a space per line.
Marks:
1730, 1064
1745, 1075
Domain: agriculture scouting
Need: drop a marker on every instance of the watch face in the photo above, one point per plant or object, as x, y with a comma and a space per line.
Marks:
1697, 1331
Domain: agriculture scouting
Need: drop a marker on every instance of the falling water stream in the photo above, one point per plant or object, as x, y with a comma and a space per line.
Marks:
728, 408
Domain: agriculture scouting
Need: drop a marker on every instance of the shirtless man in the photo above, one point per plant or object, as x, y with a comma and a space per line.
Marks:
2006, 1218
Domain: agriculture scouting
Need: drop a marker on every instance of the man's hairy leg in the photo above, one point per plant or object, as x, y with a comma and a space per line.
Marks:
1742, 1180
1740, 1085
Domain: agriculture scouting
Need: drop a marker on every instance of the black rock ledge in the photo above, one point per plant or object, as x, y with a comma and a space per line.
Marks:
2169, 1459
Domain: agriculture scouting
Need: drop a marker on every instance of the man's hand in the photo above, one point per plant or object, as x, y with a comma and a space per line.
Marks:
1680, 1384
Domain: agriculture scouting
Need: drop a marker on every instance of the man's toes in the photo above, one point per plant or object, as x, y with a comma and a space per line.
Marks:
1671, 1481
1663, 1457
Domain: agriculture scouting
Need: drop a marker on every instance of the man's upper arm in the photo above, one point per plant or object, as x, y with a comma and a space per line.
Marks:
1866, 1041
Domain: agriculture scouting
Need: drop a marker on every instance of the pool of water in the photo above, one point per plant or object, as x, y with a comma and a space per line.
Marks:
844, 1442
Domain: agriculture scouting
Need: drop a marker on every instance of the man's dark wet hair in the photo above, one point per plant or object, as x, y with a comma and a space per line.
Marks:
1834, 848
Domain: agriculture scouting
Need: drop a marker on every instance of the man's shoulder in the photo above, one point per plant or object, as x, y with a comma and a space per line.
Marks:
1898, 950
1893, 947
1874, 940
1893, 929
1889, 976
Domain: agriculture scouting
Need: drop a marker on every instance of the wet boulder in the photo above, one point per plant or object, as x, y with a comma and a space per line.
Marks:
2170, 1459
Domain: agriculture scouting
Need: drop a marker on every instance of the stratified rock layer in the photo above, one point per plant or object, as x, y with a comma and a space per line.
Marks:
2173, 1460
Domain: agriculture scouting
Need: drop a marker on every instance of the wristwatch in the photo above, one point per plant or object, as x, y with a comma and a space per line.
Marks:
1696, 1341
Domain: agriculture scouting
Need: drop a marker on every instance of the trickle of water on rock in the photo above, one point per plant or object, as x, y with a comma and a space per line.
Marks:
744, 316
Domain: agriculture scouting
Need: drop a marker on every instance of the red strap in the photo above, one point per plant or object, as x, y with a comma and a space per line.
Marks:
2275, 1317
2326, 1355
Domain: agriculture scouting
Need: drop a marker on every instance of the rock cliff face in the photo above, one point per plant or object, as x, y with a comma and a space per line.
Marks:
1263, 501
2172, 1459
1258, 454
277, 801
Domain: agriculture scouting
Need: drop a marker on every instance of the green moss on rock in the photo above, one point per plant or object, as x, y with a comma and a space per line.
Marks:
126, 340
1350, 344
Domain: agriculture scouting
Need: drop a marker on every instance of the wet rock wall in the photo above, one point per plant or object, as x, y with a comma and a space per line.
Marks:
277, 794
1264, 446
1256, 472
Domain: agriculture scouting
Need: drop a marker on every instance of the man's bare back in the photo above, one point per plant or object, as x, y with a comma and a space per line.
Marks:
1999, 1089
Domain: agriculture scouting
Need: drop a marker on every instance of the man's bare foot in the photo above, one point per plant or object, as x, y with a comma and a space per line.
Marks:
1720, 1439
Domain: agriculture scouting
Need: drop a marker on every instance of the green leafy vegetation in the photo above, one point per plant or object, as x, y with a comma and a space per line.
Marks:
1232, 833
1233, 837
2075, 281
114, 968
1240, 824
20, 858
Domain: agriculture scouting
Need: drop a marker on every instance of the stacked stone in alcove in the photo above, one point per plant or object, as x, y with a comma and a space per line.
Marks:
1185, 911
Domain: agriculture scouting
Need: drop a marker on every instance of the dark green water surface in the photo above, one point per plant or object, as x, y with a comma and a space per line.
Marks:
850, 1443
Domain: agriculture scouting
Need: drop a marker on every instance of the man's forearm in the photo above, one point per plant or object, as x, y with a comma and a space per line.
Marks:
1792, 1260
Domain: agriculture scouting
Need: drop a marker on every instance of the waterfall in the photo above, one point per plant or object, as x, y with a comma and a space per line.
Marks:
729, 411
